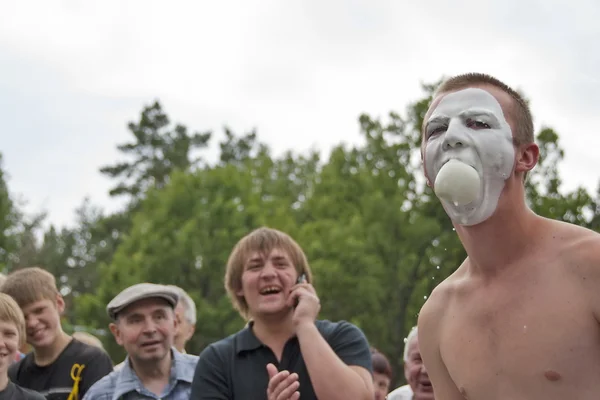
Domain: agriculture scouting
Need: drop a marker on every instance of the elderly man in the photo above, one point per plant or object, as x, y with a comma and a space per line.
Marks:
185, 312
419, 386
145, 325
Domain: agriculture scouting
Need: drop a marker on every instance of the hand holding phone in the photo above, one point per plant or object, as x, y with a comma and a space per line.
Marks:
301, 279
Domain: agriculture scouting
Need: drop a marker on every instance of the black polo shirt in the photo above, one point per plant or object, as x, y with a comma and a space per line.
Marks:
235, 368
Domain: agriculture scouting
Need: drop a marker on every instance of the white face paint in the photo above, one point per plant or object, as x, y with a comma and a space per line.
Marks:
469, 126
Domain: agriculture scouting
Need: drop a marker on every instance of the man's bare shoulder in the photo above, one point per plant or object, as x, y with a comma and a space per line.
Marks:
437, 302
579, 246
579, 254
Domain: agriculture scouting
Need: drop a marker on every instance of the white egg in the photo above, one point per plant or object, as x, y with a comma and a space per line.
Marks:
458, 183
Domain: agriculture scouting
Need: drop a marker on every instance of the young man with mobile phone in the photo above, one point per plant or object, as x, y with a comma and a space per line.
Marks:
284, 351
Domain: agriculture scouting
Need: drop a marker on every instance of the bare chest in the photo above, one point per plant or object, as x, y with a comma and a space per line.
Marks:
535, 339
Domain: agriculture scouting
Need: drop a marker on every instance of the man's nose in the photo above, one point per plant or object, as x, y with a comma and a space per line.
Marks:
30, 322
149, 327
268, 271
455, 137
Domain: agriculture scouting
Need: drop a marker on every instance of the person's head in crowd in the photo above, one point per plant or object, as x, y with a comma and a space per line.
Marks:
382, 374
12, 331
88, 338
2, 279
278, 251
414, 368
34, 289
144, 322
185, 313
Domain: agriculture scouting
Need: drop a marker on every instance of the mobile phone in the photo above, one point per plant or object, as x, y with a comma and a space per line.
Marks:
301, 279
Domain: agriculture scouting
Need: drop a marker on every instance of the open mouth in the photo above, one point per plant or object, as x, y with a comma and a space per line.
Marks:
270, 290
425, 386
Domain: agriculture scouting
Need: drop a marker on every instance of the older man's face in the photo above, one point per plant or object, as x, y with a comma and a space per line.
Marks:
416, 374
146, 330
185, 330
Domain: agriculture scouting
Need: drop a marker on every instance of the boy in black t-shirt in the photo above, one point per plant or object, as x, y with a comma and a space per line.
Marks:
59, 367
12, 333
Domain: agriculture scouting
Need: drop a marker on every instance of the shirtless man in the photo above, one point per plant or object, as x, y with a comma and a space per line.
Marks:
519, 319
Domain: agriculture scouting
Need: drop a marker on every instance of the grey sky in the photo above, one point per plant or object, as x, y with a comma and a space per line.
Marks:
73, 73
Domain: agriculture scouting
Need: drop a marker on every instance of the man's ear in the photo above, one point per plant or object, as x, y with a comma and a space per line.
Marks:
60, 304
114, 329
175, 320
527, 157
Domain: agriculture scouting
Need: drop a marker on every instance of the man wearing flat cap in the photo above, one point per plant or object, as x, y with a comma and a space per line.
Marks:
144, 324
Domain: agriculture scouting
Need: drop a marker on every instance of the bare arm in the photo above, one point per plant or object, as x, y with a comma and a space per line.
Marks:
330, 376
430, 323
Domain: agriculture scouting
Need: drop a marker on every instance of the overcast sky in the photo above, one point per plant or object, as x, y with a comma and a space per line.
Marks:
74, 72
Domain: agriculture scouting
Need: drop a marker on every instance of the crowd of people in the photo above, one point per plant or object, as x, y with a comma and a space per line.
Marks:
282, 352
519, 319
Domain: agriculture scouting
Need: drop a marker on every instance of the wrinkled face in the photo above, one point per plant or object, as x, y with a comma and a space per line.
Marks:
266, 283
469, 125
381, 382
42, 322
416, 373
9, 344
185, 330
146, 329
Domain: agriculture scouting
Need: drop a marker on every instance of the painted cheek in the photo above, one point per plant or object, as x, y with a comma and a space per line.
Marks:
429, 154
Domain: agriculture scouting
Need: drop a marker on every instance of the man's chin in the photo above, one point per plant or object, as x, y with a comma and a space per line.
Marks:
41, 343
272, 311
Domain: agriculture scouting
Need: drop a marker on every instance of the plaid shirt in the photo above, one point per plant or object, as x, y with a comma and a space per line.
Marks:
124, 384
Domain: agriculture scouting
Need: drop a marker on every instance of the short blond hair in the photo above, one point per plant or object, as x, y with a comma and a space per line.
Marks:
11, 312
28, 285
263, 240
520, 110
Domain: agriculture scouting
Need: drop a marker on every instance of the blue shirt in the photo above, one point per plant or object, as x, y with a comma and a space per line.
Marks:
124, 384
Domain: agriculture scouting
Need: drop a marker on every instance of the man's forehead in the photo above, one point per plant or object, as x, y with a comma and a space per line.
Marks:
268, 254
480, 96
143, 306
464, 99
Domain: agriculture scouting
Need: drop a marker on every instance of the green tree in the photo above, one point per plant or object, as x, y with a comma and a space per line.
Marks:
8, 222
157, 151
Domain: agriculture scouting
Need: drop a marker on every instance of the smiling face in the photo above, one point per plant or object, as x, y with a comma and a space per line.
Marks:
9, 343
146, 329
469, 126
267, 280
416, 373
42, 319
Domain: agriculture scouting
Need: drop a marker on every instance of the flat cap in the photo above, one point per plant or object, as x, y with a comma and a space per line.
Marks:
138, 292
